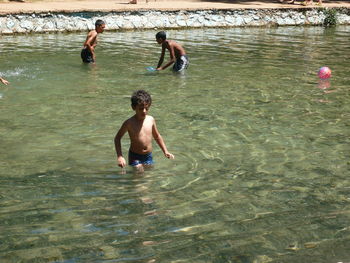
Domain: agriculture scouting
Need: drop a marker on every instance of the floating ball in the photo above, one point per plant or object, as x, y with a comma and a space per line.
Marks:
151, 69
324, 73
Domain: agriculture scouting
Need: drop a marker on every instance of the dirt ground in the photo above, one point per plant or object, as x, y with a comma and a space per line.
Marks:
37, 6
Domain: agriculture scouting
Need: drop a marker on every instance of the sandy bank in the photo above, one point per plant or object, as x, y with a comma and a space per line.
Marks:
163, 5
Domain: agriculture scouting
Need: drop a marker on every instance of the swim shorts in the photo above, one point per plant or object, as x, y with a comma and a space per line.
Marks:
135, 158
181, 63
86, 56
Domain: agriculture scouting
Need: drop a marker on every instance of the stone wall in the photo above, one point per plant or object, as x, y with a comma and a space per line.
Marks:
68, 22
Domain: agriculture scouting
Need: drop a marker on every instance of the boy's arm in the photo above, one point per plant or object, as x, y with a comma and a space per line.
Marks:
170, 47
4, 81
117, 143
161, 59
159, 139
89, 43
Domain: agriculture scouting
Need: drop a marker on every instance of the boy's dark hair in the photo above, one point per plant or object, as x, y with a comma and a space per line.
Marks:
161, 35
99, 22
141, 97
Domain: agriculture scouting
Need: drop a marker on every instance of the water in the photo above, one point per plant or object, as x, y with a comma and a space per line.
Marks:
261, 147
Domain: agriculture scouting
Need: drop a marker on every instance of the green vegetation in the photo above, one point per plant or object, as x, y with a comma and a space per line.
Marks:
330, 17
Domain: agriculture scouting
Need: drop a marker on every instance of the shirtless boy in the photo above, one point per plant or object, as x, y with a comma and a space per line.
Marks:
88, 52
141, 128
177, 53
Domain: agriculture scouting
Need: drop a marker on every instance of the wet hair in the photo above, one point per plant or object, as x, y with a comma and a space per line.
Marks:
140, 97
99, 22
161, 35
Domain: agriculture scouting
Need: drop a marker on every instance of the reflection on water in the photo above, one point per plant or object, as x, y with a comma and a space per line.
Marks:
261, 146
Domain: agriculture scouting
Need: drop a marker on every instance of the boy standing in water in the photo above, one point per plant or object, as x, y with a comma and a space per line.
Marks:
88, 52
177, 53
141, 128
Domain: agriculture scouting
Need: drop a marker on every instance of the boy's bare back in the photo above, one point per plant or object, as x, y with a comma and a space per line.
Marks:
172, 45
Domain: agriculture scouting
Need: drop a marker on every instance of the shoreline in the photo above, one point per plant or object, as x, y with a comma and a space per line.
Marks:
60, 6
192, 14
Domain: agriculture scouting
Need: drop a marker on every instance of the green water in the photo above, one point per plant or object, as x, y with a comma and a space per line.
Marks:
261, 147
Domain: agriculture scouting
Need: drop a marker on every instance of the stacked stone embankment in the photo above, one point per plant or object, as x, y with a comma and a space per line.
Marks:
134, 20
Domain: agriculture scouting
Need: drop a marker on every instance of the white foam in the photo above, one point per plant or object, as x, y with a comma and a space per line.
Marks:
16, 72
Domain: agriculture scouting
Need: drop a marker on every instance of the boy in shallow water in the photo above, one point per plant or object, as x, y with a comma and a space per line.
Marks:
88, 52
177, 53
141, 128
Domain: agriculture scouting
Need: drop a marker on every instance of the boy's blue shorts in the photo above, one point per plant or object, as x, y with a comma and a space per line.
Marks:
135, 158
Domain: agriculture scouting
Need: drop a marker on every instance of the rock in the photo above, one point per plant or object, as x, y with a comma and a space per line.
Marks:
310, 245
10, 24
28, 25
229, 20
239, 21
109, 252
180, 21
247, 20
293, 247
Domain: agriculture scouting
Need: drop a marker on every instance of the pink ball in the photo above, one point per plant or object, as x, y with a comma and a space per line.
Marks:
324, 73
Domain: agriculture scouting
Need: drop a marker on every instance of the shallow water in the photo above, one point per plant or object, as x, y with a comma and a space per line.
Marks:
262, 149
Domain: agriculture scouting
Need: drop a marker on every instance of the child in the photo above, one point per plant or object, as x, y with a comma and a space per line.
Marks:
177, 53
141, 128
88, 52
4, 81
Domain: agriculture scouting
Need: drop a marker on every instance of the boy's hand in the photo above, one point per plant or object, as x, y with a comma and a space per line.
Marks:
158, 69
169, 155
121, 162
4, 81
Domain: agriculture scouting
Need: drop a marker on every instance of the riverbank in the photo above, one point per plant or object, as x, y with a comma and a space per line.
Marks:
60, 16
161, 5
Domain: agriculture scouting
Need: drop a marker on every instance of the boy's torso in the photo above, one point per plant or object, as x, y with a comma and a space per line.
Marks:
178, 49
140, 133
94, 39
